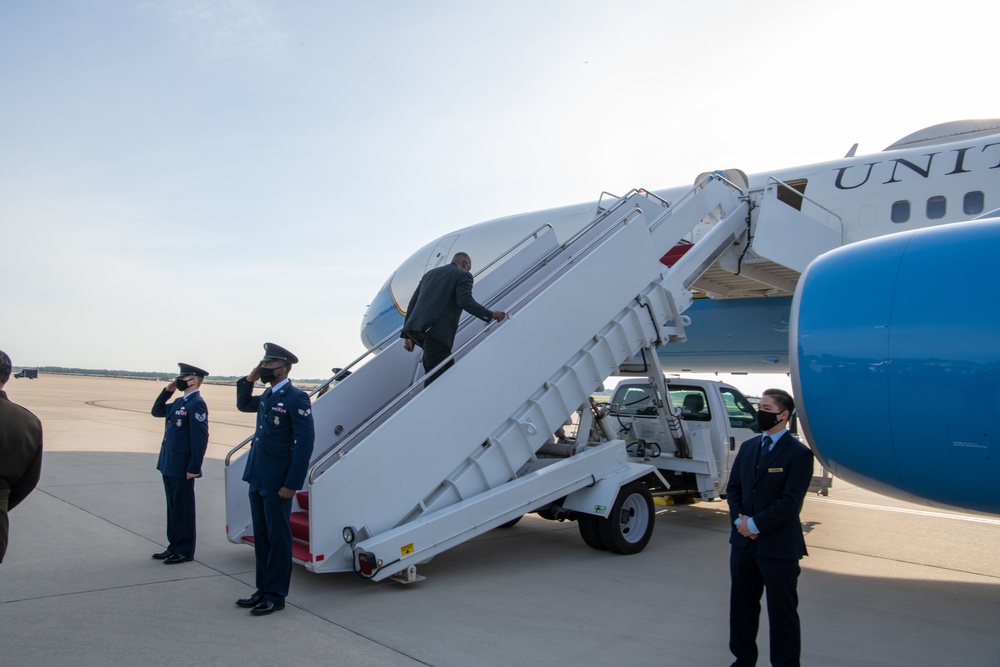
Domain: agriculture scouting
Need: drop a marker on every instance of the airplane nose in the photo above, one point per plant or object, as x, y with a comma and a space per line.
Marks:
381, 318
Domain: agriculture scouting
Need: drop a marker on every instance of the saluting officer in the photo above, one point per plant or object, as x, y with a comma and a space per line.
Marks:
185, 439
276, 469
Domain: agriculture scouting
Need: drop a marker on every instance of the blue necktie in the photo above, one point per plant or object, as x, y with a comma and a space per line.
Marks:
765, 445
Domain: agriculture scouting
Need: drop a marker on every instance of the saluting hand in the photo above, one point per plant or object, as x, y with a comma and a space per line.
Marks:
254, 374
172, 387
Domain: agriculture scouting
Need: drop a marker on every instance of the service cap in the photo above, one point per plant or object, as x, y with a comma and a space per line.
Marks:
274, 352
188, 369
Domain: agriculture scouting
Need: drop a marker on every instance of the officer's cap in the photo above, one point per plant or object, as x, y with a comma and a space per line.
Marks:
188, 369
274, 352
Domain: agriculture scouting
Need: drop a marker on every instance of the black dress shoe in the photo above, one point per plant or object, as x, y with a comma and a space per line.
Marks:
173, 559
251, 601
163, 555
266, 607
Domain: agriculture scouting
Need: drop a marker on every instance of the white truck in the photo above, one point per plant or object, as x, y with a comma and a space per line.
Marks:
690, 430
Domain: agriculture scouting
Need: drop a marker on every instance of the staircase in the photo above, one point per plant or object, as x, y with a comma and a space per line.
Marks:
409, 471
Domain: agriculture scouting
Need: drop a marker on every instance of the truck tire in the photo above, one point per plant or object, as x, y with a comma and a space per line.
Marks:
630, 525
590, 531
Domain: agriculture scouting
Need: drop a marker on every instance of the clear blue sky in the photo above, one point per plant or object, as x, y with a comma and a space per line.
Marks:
182, 180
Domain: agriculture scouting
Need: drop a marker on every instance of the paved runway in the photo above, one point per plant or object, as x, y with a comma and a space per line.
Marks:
886, 583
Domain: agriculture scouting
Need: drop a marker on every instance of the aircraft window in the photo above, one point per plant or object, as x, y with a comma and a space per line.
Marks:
741, 413
901, 211
692, 403
936, 207
973, 203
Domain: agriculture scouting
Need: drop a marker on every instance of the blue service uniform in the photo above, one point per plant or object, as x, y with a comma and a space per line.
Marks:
279, 457
185, 439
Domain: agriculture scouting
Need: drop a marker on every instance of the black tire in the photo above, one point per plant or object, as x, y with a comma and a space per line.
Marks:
590, 531
630, 525
511, 523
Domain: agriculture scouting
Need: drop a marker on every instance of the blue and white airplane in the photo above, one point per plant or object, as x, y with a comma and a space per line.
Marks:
895, 345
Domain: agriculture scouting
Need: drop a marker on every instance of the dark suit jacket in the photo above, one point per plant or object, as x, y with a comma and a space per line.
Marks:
20, 452
437, 305
772, 493
283, 443
185, 434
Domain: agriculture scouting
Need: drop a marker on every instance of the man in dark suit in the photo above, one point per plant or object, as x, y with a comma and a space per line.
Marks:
20, 453
276, 469
185, 439
767, 486
435, 308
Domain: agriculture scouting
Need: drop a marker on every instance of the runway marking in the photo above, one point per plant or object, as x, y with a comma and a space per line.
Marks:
904, 510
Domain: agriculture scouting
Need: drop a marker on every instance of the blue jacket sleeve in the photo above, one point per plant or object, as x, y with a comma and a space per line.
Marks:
160, 405
304, 435
734, 489
198, 423
245, 400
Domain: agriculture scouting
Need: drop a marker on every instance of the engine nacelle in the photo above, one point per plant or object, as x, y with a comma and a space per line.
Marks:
895, 359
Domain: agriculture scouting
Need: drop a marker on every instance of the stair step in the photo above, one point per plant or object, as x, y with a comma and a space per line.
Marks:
300, 525
303, 498
300, 550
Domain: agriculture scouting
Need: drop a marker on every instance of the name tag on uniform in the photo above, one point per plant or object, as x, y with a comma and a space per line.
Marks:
776, 470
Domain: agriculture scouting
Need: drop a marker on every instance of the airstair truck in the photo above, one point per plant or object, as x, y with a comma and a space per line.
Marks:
402, 472
689, 429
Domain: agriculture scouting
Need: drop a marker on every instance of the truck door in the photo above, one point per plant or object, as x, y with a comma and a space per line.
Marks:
742, 422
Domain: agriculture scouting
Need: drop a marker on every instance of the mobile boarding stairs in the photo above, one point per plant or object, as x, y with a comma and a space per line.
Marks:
402, 472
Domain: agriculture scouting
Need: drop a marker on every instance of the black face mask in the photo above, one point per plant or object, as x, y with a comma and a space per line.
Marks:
182, 384
267, 375
767, 420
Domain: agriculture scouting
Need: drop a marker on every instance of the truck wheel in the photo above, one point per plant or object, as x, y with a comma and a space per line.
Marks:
630, 525
590, 531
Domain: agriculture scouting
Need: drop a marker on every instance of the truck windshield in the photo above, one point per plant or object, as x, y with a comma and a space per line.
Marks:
741, 413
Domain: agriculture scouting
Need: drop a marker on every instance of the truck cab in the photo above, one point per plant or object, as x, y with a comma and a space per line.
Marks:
691, 435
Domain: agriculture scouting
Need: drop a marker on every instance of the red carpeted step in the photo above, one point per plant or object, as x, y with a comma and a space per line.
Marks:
303, 498
300, 525
300, 550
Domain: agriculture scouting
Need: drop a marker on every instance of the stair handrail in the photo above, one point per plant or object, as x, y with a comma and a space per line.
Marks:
691, 193
345, 445
340, 373
840, 221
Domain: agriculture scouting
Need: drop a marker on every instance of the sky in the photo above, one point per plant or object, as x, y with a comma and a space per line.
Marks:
183, 180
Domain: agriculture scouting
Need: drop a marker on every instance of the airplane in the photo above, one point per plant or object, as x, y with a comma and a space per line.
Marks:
856, 338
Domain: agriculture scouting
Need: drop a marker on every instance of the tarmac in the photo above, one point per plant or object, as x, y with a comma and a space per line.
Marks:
886, 582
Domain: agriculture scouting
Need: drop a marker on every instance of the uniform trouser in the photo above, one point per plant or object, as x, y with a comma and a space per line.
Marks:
751, 575
272, 543
181, 522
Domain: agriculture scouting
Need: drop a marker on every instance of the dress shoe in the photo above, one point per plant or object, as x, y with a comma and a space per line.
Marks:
251, 601
163, 555
266, 607
173, 559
